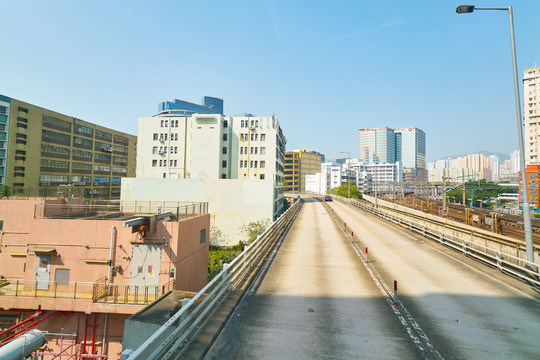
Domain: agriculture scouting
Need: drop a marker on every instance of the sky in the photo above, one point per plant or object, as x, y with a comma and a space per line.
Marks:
324, 68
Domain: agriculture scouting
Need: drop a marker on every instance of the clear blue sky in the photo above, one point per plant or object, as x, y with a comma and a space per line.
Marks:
325, 68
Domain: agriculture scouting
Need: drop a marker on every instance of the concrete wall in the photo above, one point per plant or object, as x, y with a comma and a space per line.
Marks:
83, 247
232, 203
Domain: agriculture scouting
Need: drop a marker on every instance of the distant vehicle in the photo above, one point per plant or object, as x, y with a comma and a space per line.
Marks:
327, 198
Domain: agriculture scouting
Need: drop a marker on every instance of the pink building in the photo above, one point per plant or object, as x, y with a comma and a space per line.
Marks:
83, 270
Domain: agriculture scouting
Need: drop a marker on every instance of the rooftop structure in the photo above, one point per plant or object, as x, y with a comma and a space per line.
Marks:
210, 105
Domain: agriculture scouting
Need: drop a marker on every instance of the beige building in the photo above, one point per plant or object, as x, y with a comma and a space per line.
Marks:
298, 164
45, 153
82, 270
531, 106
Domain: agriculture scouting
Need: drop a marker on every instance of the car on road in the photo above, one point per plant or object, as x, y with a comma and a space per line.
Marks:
327, 198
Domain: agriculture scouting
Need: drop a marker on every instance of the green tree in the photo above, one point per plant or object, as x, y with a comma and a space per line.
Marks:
343, 190
5, 191
254, 229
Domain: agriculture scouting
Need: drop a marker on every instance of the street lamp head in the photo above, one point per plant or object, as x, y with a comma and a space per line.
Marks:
465, 9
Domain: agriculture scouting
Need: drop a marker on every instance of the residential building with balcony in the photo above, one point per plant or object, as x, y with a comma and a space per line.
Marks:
531, 108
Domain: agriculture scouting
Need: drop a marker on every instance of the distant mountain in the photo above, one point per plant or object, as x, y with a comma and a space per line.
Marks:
502, 157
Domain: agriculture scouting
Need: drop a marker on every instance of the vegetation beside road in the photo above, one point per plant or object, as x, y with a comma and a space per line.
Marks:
343, 190
218, 256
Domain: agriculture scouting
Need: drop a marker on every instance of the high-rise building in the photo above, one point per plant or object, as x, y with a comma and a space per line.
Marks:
406, 145
531, 106
377, 145
45, 153
299, 164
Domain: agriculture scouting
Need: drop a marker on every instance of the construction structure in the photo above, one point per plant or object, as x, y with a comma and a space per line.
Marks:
76, 272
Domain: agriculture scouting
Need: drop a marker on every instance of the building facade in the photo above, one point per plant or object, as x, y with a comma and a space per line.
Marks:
531, 107
377, 145
299, 164
45, 153
84, 269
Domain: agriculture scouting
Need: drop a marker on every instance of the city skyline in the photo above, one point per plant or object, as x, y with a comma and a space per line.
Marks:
363, 65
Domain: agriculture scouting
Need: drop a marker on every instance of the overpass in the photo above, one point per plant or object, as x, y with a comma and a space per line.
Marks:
348, 280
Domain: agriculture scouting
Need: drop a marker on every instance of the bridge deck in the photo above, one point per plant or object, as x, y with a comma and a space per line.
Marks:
317, 299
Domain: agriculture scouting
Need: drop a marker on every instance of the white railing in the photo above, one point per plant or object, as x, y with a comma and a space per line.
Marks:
172, 339
482, 245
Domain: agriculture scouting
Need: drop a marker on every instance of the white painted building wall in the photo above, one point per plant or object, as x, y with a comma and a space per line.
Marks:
233, 203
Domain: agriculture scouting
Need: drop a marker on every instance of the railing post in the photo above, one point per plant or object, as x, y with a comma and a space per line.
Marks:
55, 285
75, 291
17, 288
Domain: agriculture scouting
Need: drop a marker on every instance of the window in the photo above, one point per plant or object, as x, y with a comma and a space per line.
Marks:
241, 163
251, 164
77, 167
203, 236
223, 176
154, 163
255, 163
164, 175
176, 136
225, 124
156, 136
175, 163
176, 149
263, 164
261, 177
55, 123
256, 123
224, 150
241, 150
24, 110
263, 137
160, 163
256, 151
263, 150
242, 123
83, 130
170, 163
224, 163
103, 135
224, 137
241, 137
252, 136
154, 150
256, 137
251, 150
54, 164
61, 276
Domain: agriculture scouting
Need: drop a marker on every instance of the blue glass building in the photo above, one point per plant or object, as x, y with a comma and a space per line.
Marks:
210, 105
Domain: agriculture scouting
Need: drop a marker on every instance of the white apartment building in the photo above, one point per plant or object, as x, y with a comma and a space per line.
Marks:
531, 106
211, 148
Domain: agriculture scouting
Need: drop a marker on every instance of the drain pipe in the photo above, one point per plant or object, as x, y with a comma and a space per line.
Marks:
110, 257
103, 351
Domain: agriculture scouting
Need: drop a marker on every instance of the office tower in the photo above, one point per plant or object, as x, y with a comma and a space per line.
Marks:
45, 153
377, 145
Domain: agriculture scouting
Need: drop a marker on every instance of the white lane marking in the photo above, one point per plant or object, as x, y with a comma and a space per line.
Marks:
415, 332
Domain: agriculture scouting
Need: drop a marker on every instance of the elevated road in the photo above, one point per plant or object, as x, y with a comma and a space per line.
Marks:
317, 298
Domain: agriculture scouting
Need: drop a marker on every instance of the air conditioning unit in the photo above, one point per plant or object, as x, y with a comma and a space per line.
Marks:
252, 127
160, 152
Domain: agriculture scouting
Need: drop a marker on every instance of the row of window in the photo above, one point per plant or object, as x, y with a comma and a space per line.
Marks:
44, 179
245, 123
55, 123
163, 163
163, 150
252, 150
254, 137
164, 136
64, 165
59, 151
252, 164
63, 139
165, 123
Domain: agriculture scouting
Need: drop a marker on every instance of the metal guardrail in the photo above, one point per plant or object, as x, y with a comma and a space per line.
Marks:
474, 243
172, 339
182, 210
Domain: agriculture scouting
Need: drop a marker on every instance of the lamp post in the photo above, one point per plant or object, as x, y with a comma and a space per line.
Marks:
348, 171
464, 9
